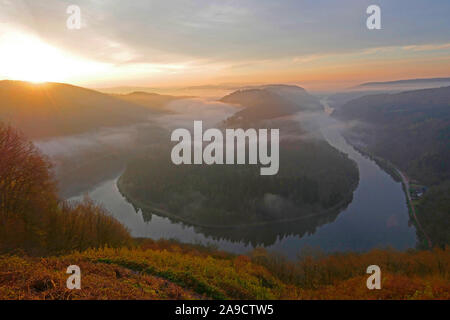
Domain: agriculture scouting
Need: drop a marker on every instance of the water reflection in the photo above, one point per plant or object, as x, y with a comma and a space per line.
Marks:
376, 216
267, 234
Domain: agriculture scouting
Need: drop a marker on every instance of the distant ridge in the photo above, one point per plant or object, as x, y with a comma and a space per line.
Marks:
269, 102
154, 101
404, 82
411, 129
58, 109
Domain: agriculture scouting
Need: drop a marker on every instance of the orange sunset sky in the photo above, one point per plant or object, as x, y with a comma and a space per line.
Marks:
320, 45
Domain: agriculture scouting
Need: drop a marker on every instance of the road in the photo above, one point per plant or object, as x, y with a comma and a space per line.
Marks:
413, 210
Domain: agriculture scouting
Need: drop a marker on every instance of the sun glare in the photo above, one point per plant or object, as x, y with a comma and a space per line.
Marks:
26, 57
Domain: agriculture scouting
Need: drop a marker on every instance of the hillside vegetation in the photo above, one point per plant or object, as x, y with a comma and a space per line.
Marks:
433, 210
33, 219
239, 195
410, 129
56, 109
167, 270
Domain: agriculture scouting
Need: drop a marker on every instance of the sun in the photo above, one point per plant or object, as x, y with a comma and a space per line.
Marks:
26, 57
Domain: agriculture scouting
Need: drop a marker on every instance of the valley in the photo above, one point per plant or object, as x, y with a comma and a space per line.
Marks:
374, 215
420, 121
121, 168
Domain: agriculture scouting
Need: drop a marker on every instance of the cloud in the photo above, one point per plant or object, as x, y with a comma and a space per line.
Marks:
428, 47
197, 42
179, 30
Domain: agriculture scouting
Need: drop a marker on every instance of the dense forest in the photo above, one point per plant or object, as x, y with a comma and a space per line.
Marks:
433, 210
223, 195
411, 130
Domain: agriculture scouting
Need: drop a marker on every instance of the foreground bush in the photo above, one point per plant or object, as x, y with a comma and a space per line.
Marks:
80, 226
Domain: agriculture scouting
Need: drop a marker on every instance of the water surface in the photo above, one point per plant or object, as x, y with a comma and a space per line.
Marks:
376, 217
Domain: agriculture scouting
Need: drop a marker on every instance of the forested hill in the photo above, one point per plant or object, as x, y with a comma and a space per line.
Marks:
56, 109
314, 179
270, 102
411, 129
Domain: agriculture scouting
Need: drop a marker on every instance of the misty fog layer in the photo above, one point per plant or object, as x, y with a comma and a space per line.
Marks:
83, 160
80, 144
185, 111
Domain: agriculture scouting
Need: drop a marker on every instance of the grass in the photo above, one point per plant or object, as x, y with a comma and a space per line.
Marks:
168, 270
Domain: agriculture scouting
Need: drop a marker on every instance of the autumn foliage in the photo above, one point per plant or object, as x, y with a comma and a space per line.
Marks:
423, 274
32, 217
168, 270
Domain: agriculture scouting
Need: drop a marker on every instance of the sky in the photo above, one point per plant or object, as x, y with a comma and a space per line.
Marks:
319, 44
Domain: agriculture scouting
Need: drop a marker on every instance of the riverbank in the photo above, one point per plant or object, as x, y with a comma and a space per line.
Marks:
145, 207
376, 217
397, 175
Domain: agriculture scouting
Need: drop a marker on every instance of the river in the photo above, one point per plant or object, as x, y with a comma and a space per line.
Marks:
377, 217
